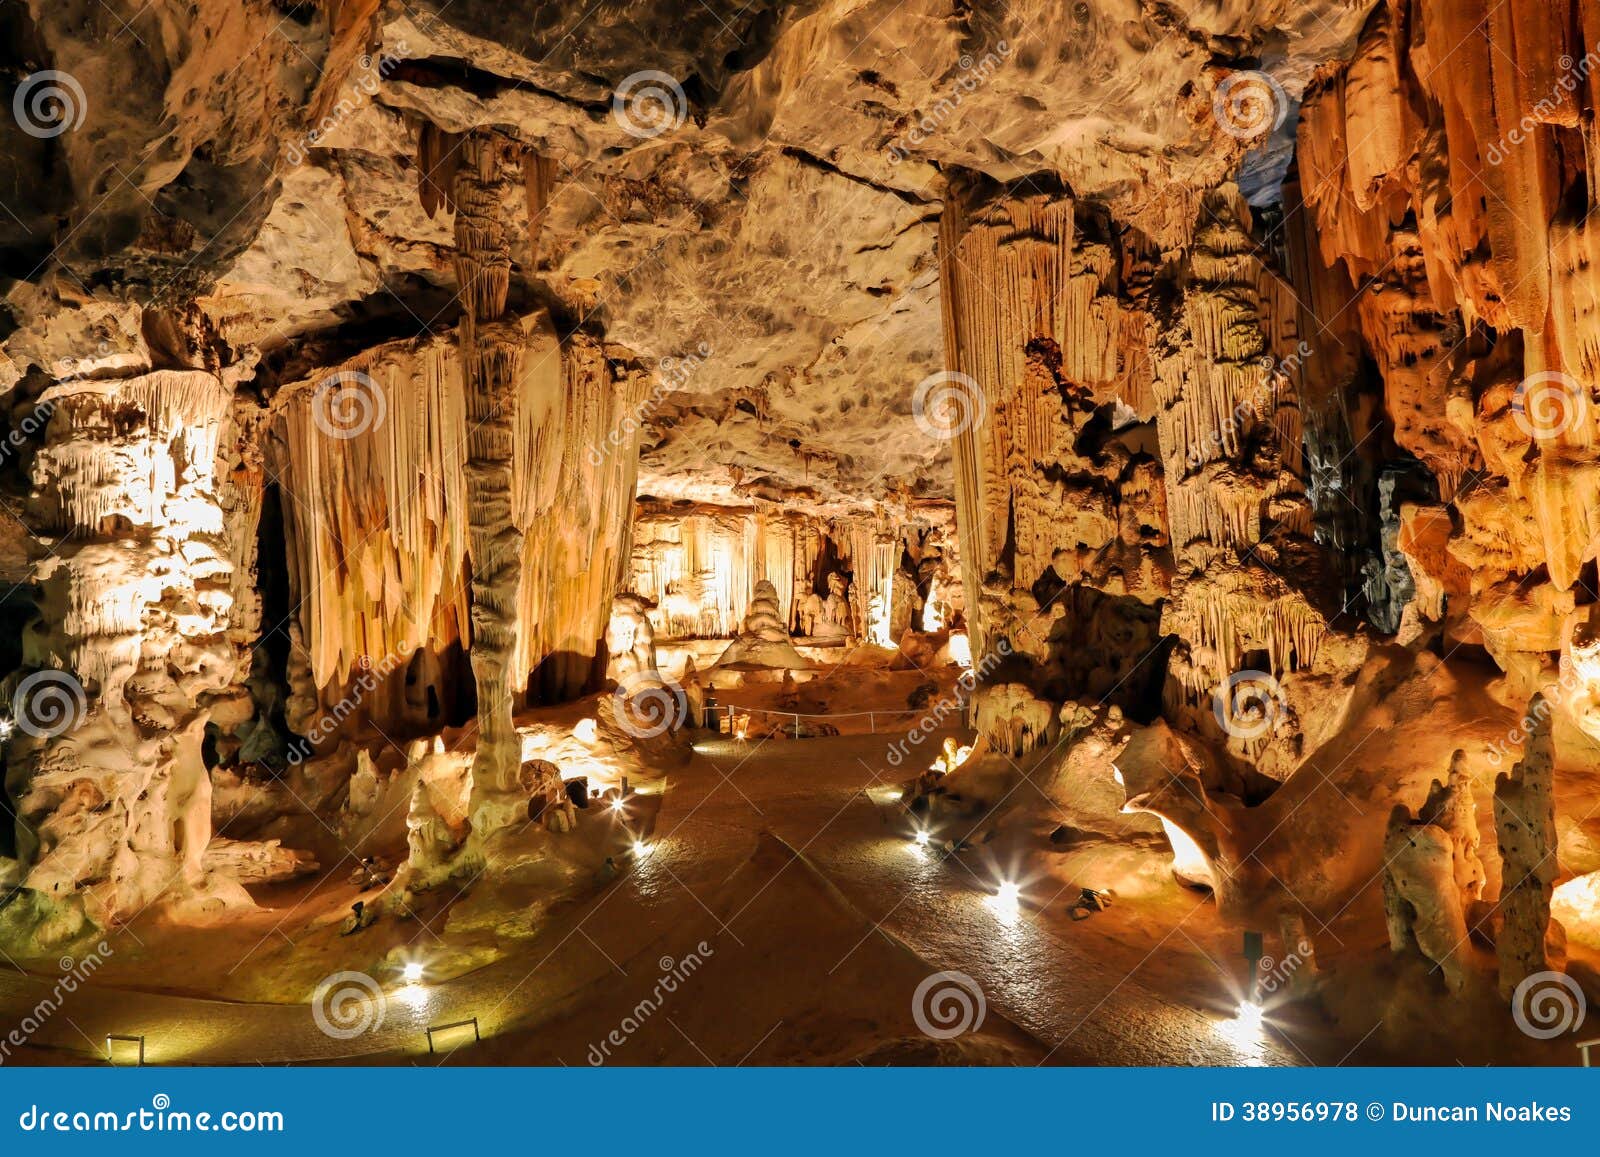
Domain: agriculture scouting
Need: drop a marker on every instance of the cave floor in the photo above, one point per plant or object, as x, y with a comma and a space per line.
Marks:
782, 915
818, 916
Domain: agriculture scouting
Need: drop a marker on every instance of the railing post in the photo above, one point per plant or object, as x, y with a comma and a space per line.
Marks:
797, 726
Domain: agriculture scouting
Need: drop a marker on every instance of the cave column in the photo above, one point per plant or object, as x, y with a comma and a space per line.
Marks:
491, 356
131, 651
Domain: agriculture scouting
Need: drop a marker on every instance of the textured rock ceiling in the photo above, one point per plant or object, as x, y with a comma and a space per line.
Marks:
780, 232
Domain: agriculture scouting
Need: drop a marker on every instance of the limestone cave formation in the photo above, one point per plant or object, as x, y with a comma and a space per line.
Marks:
499, 501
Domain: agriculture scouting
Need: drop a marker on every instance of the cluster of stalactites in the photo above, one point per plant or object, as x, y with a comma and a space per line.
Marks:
135, 453
1451, 168
373, 495
700, 568
1229, 417
1223, 626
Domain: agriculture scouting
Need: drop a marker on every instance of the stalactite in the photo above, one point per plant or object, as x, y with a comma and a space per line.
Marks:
700, 565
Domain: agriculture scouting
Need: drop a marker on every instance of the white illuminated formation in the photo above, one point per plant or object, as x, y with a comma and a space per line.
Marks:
587, 730
961, 651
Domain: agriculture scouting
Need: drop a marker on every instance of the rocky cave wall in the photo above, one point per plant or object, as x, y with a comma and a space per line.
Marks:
1449, 171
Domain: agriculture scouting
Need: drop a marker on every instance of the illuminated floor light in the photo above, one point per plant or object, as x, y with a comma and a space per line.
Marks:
412, 972
1249, 1017
641, 849
922, 838
1009, 894
616, 805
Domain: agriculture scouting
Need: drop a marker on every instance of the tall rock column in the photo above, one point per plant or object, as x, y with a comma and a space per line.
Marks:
1525, 822
491, 357
130, 651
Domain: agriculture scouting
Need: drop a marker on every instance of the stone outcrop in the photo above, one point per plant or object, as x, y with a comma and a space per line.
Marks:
1525, 825
1432, 875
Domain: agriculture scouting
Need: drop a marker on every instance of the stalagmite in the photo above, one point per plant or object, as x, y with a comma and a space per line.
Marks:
1525, 823
1432, 874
